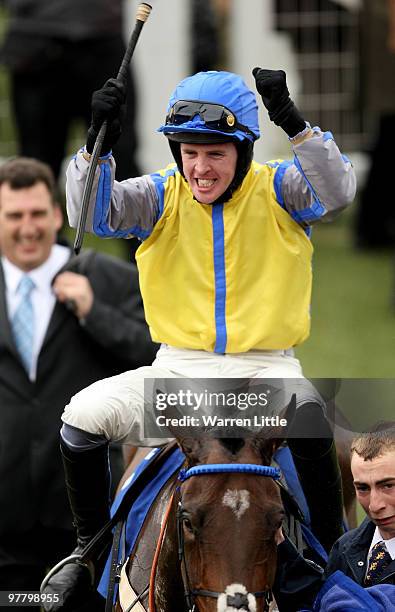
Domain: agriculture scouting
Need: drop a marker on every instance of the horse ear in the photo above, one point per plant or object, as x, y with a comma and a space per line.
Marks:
270, 439
188, 443
191, 447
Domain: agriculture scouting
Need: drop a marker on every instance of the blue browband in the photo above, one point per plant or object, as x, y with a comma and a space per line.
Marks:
221, 468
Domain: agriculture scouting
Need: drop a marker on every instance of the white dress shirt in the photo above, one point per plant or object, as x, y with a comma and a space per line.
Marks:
389, 544
43, 298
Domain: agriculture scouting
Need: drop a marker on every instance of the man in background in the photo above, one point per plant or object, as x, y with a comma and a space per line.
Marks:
56, 54
65, 322
360, 573
367, 554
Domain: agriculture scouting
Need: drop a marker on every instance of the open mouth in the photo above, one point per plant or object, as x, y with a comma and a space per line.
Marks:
205, 183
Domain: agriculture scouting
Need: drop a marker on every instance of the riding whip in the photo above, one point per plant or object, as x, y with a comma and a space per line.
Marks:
142, 14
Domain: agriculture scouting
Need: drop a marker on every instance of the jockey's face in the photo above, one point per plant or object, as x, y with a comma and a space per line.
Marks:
374, 482
29, 221
209, 169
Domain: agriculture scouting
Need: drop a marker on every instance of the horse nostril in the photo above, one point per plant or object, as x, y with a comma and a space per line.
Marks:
239, 601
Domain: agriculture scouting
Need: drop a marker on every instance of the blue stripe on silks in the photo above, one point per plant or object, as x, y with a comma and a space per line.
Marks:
139, 232
102, 204
159, 181
220, 278
278, 180
328, 136
313, 212
346, 159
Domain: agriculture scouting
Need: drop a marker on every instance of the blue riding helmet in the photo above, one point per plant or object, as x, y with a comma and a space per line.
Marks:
210, 104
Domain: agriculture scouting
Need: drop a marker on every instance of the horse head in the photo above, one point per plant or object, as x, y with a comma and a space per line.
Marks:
229, 515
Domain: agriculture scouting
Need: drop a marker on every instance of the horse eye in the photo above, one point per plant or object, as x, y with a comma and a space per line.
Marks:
187, 524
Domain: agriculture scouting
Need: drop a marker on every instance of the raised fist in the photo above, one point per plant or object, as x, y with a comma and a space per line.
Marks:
272, 85
107, 102
107, 105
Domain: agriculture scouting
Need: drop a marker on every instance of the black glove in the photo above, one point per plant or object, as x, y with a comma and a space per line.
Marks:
69, 589
107, 104
272, 86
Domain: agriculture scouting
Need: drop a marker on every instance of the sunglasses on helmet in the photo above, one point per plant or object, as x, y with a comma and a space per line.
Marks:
215, 116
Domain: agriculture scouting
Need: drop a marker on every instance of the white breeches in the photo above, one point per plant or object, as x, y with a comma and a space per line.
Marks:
116, 407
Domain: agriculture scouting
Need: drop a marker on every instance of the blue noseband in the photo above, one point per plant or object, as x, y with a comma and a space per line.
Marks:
222, 468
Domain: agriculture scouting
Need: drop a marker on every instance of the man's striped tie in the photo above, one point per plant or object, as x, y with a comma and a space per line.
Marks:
23, 322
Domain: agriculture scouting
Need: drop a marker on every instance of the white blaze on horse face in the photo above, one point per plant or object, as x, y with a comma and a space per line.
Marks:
236, 592
238, 501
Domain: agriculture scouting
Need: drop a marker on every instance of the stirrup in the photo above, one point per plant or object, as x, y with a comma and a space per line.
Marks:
73, 558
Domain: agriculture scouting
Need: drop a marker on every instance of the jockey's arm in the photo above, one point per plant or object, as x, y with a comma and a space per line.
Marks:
116, 209
319, 183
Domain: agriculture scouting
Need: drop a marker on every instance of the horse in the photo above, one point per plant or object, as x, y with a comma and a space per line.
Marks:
217, 550
210, 543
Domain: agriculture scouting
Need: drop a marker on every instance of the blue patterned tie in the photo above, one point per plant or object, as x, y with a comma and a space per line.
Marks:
379, 560
23, 322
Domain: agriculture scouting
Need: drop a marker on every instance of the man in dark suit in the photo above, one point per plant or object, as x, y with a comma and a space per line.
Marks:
367, 554
81, 320
360, 573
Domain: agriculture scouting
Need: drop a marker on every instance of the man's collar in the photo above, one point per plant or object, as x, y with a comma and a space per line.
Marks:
42, 275
390, 544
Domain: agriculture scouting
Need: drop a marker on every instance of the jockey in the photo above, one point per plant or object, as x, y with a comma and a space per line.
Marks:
225, 274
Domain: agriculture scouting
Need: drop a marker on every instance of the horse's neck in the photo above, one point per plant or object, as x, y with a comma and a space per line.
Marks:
169, 590
140, 562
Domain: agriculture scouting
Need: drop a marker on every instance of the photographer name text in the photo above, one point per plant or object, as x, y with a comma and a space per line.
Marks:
217, 421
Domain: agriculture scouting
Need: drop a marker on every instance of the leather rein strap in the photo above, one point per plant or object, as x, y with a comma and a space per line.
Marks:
118, 520
156, 556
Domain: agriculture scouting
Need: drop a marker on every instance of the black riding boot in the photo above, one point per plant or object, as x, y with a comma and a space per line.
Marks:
87, 478
314, 453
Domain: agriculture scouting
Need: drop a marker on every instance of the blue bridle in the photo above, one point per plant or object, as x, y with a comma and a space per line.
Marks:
223, 468
218, 468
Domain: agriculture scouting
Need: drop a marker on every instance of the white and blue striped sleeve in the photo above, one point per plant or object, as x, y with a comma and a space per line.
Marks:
117, 209
318, 184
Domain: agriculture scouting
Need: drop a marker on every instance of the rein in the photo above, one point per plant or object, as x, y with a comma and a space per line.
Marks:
156, 556
216, 468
